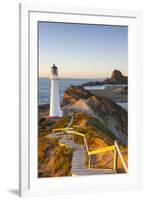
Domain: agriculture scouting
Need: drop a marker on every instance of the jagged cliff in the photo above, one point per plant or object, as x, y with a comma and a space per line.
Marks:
112, 116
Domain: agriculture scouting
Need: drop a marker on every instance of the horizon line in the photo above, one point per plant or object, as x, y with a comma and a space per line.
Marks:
73, 77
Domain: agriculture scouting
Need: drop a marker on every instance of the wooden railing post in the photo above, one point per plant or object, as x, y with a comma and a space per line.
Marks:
115, 160
121, 157
89, 162
73, 137
67, 135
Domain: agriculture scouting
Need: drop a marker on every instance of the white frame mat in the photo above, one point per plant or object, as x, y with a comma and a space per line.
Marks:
30, 184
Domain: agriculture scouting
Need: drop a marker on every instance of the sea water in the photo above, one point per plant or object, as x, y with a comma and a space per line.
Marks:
44, 88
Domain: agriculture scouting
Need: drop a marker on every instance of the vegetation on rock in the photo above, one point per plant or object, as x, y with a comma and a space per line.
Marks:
53, 159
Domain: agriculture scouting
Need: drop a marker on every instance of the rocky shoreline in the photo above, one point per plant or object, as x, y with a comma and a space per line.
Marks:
118, 95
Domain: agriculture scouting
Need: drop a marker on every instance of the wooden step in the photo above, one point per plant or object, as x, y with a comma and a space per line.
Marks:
79, 167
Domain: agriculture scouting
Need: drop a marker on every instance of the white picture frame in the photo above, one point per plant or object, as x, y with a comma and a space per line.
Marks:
30, 185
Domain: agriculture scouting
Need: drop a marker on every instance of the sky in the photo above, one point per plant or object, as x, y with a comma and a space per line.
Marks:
82, 50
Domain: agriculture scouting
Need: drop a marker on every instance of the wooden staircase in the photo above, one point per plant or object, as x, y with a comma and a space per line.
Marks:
79, 160
81, 153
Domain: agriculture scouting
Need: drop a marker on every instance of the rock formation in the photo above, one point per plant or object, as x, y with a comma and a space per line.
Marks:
121, 90
92, 83
116, 78
112, 116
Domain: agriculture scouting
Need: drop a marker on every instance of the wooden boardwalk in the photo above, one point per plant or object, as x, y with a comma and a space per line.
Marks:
81, 152
79, 160
79, 166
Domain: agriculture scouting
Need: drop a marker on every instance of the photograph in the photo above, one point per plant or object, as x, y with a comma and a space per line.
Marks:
82, 99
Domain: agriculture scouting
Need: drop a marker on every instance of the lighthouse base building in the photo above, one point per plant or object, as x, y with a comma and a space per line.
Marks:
55, 110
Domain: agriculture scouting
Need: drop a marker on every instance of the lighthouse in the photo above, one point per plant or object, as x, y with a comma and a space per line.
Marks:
55, 110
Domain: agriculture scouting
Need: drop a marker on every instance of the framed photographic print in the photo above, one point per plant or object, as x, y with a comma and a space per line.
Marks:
80, 100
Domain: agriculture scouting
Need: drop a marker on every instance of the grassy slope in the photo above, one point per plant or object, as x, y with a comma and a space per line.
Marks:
53, 159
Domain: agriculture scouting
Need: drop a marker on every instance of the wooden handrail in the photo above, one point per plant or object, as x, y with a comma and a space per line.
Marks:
62, 129
102, 150
76, 133
114, 148
80, 134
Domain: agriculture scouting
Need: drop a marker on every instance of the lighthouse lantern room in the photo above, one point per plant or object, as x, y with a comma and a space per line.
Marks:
55, 110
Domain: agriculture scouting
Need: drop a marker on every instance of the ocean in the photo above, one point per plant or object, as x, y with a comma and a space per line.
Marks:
44, 87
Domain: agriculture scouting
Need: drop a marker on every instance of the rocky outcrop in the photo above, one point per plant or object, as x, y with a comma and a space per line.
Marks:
121, 90
92, 83
111, 115
116, 78
74, 93
117, 75
44, 107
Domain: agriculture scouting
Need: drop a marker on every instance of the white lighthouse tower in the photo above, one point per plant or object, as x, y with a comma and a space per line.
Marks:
55, 110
